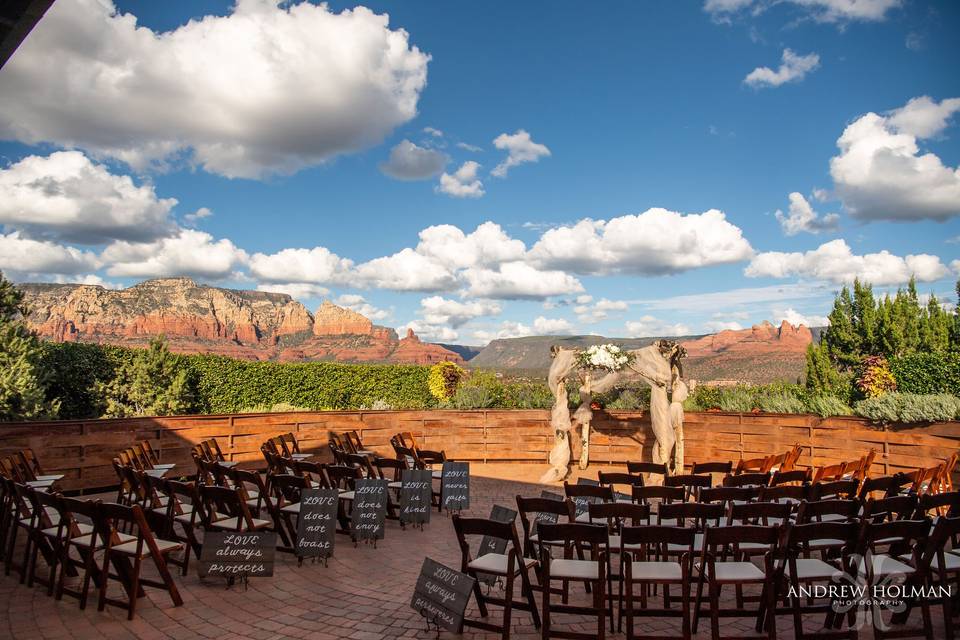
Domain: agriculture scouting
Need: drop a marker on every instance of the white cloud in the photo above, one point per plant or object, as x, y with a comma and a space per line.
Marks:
520, 148
463, 183
518, 280
650, 327
716, 326
955, 265
796, 318
196, 216
737, 299
551, 326
486, 245
410, 162
802, 217
429, 333
306, 266
437, 310
469, 147
611, 305
821, 195
190, 253
436, 133
584, 299
880, 173
269, 88
65, 196
655, 242
507, 329
24, 256
820, 10
793, 68
296, 290
598, 311
835, 262
359, 304
406, 270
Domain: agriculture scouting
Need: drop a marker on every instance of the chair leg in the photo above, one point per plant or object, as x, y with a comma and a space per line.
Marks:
134, 589
699, 601
507, 607
714, 589
600, 599
164, 572
545, 616
628, 603
527, 589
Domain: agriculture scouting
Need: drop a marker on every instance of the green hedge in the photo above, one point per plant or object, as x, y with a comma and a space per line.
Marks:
927, 373
74, 370
225, 385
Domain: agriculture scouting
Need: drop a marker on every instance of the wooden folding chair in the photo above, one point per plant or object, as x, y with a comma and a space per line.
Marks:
128, 556
647, 468
507, 566
616, 516
615, 479
835, 489
795, 476
574, 536
226, 510
690, 483
85, 539
712, 467
785, 493
942, 569
583, 494
747, 480
754, 465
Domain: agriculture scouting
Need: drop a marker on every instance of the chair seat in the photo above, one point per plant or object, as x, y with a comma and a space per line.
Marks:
346, 495
585, 517
83, 528
394, 485
753, 547
653, 570
813, 569
884, 565
825, 543
39, 484
737, 572
165, 467
230, 524
615, 544
291, 508
227, 463
155, 473
301, 456
497, 563
85, 540
535, 538
437, 475
575, 569
50, 476
832, 517
951, 562
130, 548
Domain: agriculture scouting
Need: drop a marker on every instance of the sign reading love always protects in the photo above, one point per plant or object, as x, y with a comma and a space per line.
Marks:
237, 554
441, 595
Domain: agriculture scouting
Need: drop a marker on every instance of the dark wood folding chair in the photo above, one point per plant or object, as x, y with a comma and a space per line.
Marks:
572, 537
834, 489
185, 508
284, 505
934, 505
690, 483
818, 511
695, 515
617, 515
31, 520
31, 461
127, 556
942, 569
618, 479
786, 493
714, 572
794, 476
655, 495
801, 572
535, 511
583, 494
84, 538
837, 471
712, 467
643, 550
507, 566
226, 510
885, 486
647, 468
901, 566
48, 504
315, 472
747, 480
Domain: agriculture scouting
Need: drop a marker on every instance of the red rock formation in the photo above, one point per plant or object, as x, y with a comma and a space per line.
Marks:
251, 325
760, 338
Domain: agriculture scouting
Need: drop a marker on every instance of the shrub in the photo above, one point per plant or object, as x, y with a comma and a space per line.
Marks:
909, 407
826, 405
482, 390
885, 408
875, 377
154, 382
927, 372
527, 395
444, 379
780, 402
630, 400
280, 407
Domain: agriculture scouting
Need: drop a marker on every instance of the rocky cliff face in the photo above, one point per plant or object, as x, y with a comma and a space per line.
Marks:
760, 338
201, 319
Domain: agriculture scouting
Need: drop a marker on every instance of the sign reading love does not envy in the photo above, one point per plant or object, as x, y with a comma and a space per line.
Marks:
441, 595
490, 544
235, 554
455, 494
317, 523
416, 494
369, 515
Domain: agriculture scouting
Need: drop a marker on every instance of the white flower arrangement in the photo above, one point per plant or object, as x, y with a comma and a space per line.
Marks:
609, 357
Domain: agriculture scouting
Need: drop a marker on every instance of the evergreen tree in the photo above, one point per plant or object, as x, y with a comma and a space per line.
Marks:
840, 337
889, 332
955, 332
864, 317
908, 305
154, 382
935, 324
821, 377
23, 382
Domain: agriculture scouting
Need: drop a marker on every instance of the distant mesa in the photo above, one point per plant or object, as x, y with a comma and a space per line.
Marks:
196, 318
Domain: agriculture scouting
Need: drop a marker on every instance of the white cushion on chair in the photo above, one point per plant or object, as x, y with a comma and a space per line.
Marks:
656, 570
130, 548
615, 544
574, 569
737, 572
84, 529
230, 524
291, 508
825, 543
813, 569
346, 495
301, 456
951, 561
497, 563
50, 476
884, 565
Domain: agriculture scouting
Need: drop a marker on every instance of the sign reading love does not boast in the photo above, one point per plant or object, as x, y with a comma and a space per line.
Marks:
416, 494
236, 554
455, 494
441, 595
369, 515
317, 523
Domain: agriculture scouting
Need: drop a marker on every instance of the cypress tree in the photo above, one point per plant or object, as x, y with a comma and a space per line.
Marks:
935, 325
154, 382
864, 317
840, 337
955, 332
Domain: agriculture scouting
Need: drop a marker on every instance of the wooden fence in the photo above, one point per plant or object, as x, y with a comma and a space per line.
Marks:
83, 449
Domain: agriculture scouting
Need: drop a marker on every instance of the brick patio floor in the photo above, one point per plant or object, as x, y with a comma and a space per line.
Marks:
364, 593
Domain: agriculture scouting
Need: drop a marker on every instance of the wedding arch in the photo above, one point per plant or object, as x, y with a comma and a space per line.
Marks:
602, 368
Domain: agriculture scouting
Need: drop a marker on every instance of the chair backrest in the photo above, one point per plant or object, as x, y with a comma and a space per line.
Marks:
747, 479
359, 461
250, 485
664, 494
793, 456
573, 535
407, 439
724, 495
428, 457
784, 493
389, 468
754, 465
794, 476
315, 472
222, 503
892, 508
884, 484
690, 482
88, 509
711, 467
738, 534
927, 480
185, 497
288, 488
945, 532
699, 514
838, 471
342, 476
797, 536
909, 534
353, 437
834, 489
946, 479
32, 461
618, 478
215, 449
761, 513
291, 441
409, 455
118, 520
152, 454
862, 469
603, 493
653, 539
654, 468
26, 469
946, 503
274, 462
619, 514
530, 508
486, 527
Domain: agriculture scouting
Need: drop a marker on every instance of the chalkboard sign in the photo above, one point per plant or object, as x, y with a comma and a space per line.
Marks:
369, 513
455, 494
237, 554
317, 523
416, 494
489, 544
441, 595
582, 503
548, 518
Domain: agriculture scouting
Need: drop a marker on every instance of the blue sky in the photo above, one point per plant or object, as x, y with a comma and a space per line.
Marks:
624, 164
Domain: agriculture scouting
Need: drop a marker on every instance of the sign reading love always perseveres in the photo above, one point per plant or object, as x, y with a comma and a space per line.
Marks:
441, 595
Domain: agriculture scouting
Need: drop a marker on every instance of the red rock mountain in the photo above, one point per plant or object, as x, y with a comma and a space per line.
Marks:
759, 354
200, 319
